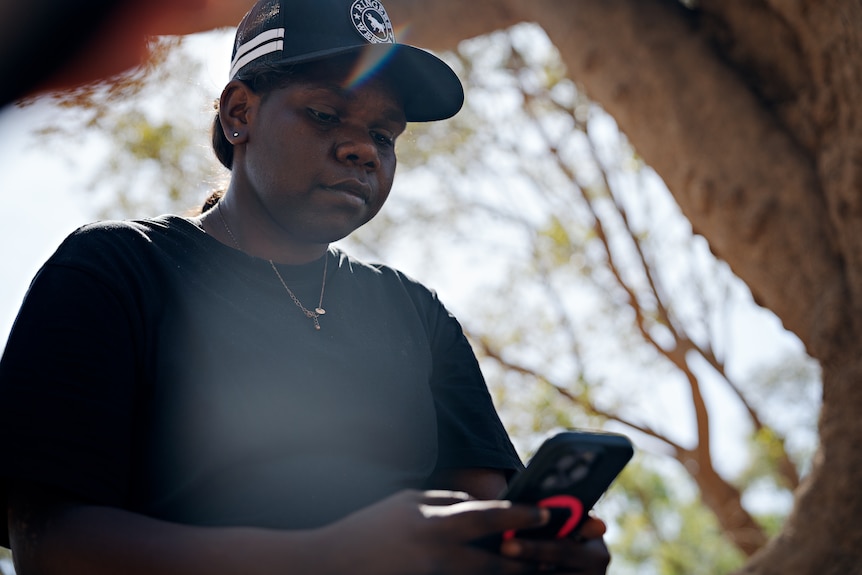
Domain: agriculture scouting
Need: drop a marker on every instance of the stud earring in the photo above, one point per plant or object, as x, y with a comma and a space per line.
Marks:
236, 134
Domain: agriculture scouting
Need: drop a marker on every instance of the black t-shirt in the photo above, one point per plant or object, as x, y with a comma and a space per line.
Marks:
154, 369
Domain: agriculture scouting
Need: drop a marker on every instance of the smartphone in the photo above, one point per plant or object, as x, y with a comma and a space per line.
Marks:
568, 475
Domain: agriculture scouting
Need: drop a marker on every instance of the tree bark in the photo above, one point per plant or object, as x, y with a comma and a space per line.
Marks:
750, 113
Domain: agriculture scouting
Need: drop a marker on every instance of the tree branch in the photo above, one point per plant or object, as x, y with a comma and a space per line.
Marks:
486, 349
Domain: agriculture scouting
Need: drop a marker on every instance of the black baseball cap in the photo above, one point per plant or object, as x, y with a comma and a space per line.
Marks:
298, 31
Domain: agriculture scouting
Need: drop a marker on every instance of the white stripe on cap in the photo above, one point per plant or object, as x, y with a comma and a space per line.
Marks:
263, 43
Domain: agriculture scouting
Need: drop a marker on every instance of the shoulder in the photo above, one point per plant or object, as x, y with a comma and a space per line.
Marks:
132, 231
375, 270
122, 239
125, 255
395, 290
384, 276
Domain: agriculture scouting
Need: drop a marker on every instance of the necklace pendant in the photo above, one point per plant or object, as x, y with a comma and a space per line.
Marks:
318, 311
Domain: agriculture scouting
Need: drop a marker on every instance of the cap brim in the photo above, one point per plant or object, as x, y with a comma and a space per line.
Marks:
430, 88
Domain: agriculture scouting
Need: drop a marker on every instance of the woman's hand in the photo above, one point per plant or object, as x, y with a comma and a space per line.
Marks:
416, 532
583, 553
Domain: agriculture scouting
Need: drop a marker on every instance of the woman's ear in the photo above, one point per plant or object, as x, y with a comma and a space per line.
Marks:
235, 109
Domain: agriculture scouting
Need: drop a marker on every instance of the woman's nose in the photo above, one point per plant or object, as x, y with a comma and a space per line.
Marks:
360, 150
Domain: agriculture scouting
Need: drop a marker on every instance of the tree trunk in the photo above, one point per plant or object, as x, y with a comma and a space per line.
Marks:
749, 111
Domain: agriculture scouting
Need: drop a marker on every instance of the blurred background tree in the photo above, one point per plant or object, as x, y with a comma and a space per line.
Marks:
584, 290
152, 147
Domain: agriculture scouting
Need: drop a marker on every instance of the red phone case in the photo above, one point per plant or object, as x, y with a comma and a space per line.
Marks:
568, 474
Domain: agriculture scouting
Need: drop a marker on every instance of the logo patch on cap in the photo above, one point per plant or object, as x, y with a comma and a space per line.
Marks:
371, 21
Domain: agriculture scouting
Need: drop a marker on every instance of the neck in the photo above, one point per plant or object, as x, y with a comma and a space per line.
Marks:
225, 223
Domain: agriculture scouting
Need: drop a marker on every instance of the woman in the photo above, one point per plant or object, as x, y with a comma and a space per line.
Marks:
229, 393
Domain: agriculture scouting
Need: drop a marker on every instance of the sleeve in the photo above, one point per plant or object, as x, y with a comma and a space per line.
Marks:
67, 386
470, 433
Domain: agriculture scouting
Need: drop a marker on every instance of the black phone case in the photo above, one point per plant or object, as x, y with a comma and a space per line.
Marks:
568, 474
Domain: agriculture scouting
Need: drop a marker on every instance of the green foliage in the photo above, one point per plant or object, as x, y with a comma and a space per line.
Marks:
559, 244
160, 150
662, 530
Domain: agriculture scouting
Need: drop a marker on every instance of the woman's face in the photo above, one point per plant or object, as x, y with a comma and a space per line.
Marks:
319, 158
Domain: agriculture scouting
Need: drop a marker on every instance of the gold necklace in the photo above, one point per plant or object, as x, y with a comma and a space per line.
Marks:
312, 315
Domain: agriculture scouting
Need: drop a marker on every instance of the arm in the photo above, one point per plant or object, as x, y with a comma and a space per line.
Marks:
51, 532
411, 532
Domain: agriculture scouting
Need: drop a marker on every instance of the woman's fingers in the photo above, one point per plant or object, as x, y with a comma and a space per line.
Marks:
474, 519
590, 557
442, 497
593, 528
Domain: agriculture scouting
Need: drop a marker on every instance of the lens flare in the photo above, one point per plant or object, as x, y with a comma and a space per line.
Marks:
372, 60
368, 64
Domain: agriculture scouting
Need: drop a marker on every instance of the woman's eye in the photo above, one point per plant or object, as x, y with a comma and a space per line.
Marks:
323, 116
383, 139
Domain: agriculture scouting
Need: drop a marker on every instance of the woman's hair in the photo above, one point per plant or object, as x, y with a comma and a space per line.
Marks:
209, 203
262, 79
